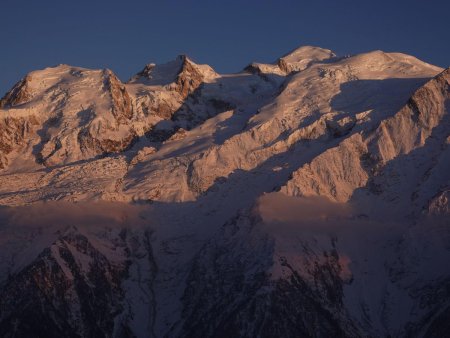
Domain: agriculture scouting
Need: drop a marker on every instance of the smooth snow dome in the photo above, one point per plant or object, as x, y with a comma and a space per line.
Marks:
300, 58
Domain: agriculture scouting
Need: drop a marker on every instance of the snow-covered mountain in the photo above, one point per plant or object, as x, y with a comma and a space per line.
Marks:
305, 198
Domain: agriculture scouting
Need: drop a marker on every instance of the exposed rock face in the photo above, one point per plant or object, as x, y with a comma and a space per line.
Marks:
19, 94
122, 107
440, 204
90, 143
189, 77
308, 197
70, 290
146, 72
13, 135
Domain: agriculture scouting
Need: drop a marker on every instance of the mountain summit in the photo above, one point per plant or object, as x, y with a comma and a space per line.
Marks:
307, 197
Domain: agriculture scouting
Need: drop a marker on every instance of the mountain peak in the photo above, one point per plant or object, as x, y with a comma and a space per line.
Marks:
170, 72
300, 58
296, 60
308, 52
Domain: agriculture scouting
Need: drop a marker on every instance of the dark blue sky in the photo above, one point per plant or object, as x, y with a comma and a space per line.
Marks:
228, 34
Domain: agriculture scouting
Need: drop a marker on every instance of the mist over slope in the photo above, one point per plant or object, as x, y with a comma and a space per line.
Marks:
308, 197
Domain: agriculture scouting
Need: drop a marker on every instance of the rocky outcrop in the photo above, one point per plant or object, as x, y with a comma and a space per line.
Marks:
71, 287
19, 94
189, 77
440, 203
102, 146
122, 107
14, 133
